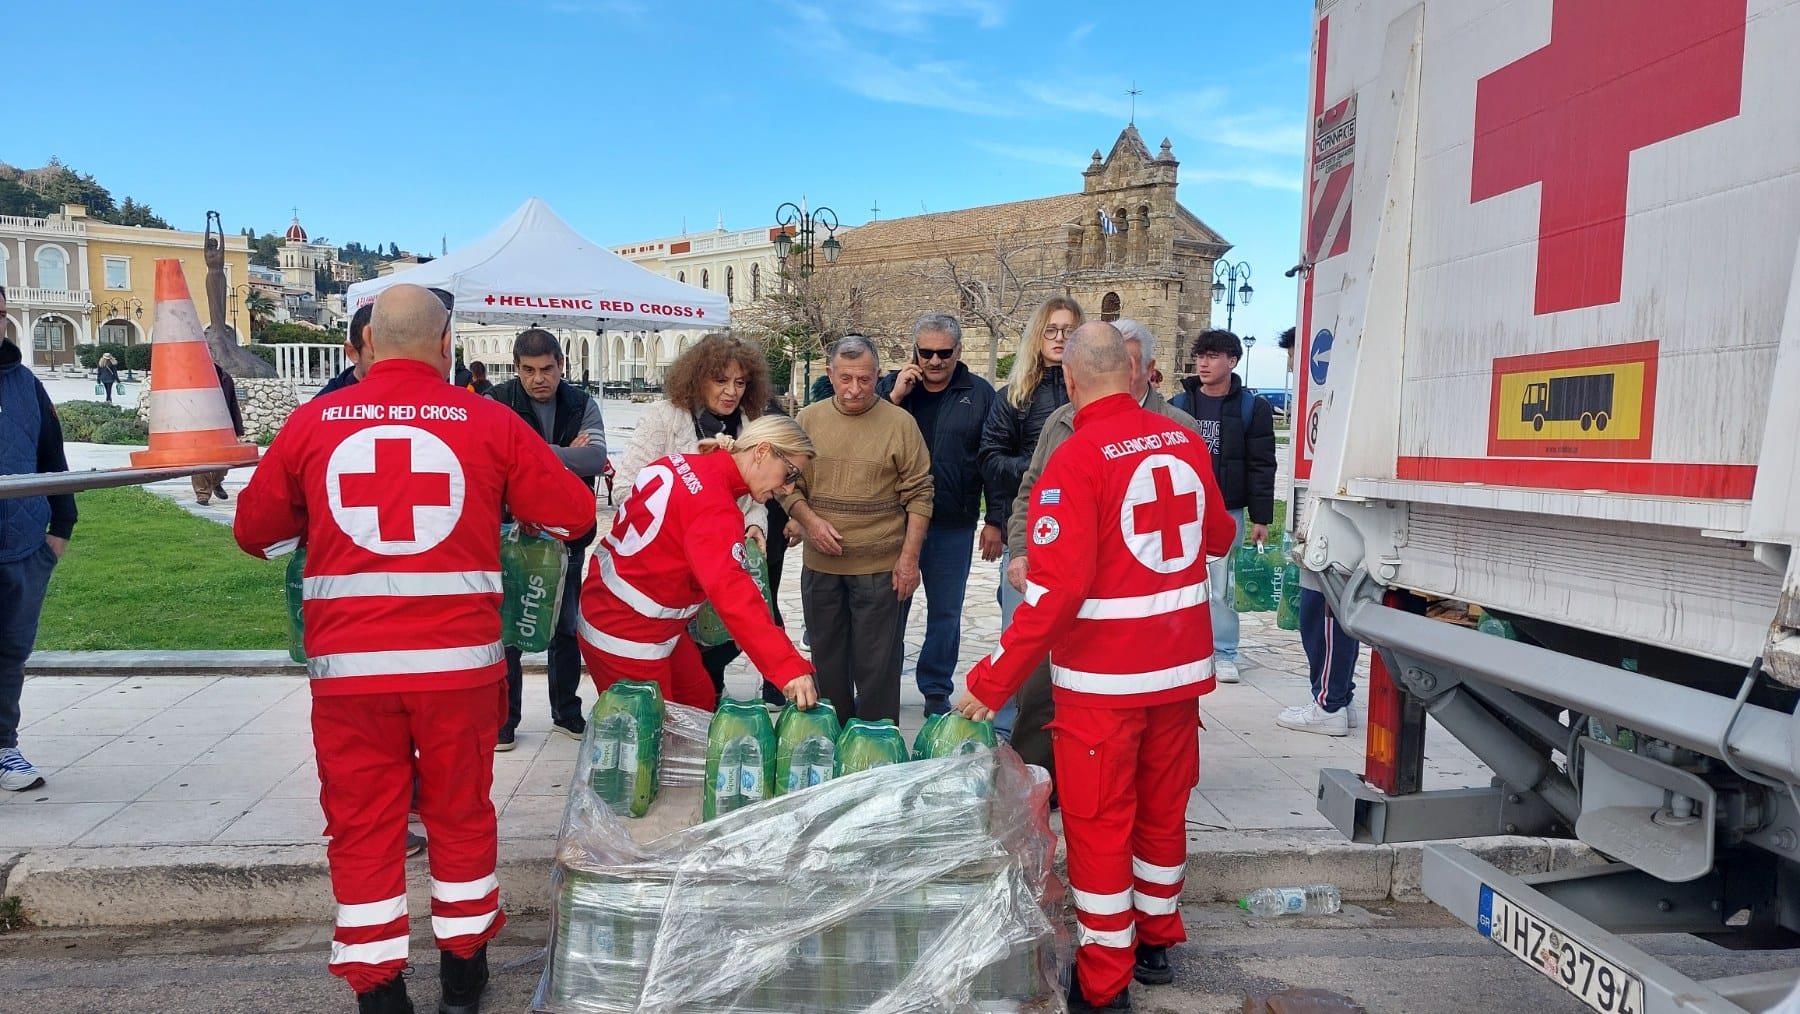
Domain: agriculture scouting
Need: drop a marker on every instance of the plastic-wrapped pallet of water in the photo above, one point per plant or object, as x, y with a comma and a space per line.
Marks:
918, 886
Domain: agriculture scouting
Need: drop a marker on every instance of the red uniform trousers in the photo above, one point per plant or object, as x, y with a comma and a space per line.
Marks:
365, 745
1124, 776
682, 675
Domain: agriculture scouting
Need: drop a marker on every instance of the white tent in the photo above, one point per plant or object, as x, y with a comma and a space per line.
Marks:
534, 269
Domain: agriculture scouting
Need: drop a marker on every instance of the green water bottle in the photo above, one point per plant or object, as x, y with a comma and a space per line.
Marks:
532, 569
1256, 572
296, 605
1287, 612
805, 747
950, 734
866, 745
707, 628
740, 758
1495, 626
625, 749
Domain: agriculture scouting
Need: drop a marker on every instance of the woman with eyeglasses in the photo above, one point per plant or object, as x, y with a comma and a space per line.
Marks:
714, 388
678, 542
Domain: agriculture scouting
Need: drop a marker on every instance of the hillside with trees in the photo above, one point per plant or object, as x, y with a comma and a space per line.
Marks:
35, 193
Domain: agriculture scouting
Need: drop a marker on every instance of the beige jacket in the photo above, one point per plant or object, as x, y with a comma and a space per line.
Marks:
668, 429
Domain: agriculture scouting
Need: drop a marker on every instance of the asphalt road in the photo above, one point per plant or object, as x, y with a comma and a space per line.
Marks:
1394, 960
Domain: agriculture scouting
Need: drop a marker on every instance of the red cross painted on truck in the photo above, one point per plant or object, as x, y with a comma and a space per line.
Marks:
1617, 76
1167, 514
394, 489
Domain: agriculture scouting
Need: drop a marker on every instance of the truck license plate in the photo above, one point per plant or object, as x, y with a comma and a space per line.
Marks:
1575, 966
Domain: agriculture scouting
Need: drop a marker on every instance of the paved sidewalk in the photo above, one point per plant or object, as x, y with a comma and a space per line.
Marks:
192, 778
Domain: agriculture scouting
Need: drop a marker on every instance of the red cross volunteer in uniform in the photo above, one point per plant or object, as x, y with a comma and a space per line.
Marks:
678, 542
394, 487
1122, 522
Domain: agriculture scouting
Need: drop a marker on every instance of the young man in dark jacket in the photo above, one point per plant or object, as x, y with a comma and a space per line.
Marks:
569, 420
951, 405
1242, 438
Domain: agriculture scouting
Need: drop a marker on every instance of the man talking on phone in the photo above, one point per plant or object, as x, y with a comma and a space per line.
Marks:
950, 404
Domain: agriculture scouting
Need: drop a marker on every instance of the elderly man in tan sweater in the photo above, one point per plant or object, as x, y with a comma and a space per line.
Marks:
862, 509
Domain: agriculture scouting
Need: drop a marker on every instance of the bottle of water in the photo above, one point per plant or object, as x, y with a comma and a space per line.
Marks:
1313, 899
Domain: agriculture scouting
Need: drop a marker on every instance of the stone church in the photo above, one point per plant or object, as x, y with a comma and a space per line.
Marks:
1122, 247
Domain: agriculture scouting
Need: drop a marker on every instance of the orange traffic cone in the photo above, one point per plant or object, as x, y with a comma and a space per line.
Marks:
189, 423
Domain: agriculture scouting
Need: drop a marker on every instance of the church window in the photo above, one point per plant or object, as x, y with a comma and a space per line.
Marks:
1109, 307
755, 281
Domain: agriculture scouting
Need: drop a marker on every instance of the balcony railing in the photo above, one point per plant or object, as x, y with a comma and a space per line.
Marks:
79, 299
64, 228
730, 241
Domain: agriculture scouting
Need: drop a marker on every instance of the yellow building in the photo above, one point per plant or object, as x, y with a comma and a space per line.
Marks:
75, 281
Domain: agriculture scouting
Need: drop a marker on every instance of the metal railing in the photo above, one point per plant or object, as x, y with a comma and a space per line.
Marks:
65, 228
308, 365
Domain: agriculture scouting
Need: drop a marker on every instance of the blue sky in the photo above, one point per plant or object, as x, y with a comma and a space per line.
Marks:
405, 121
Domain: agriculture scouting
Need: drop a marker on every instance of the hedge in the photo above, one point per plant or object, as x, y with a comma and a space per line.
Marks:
82, 421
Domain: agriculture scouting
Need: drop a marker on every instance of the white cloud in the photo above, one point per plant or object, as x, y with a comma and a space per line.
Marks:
1080, 34
1202, 114
867, 71
1055, 158
1267, 179
915, 17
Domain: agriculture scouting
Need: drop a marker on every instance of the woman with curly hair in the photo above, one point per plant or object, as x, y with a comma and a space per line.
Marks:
717, 386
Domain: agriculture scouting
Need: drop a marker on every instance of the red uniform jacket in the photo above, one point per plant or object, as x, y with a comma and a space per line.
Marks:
395, 486
1122, 522
677, 542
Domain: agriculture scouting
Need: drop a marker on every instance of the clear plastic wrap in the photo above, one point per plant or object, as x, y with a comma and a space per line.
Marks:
924, 886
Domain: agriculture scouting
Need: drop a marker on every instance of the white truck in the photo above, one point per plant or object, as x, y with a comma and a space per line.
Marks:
1550, 365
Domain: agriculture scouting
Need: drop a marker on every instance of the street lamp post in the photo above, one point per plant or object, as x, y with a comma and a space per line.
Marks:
1249, 343
238, 292
1231, 286
800, 245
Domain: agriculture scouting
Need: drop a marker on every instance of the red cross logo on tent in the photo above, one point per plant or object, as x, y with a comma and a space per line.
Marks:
490, 299
1160, 517
641, 517
395, 490
1617, 76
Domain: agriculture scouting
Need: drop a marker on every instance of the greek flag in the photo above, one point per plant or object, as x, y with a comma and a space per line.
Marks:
1050, 498
1107, 225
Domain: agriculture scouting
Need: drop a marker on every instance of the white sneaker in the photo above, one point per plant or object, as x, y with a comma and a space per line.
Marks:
1226, 670
1297, 711
1314, 719
16, 773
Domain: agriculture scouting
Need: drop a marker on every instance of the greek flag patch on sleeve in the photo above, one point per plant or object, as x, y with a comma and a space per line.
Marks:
1050, 498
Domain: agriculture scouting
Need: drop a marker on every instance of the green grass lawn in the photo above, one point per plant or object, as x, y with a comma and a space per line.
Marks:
143, 573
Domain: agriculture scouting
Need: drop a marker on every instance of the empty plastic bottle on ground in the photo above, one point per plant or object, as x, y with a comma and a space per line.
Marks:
1287, 612
805, 747
707, 627
1257, 574
1313, 899
866, 745
625, 746
296, 598
740, 758
1496, 627
532, 568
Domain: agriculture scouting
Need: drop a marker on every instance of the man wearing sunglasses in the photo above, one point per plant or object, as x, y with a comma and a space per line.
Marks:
950, 404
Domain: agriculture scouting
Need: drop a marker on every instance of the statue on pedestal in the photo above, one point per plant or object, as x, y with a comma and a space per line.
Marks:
221, 337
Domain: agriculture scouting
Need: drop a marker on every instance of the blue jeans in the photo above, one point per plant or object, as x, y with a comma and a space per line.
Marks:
943, 577
1009, 601
22, 586
1330, 653
1223, 603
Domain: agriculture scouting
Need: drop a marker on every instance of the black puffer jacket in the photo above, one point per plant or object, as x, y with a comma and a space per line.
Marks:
957, 488
1009, 437
1245, 464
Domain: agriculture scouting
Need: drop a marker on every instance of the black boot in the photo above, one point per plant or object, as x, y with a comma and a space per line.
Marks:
1078, 1004
1152, 967
387, 998
462, 980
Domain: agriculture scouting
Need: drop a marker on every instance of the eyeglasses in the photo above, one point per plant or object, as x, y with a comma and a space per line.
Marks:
925, 353
793, 472
1060, 332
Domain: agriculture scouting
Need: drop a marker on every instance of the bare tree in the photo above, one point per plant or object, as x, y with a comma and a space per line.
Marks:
996, 277
807, 312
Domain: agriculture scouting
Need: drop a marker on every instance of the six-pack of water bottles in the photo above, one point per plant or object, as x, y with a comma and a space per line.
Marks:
835, 870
